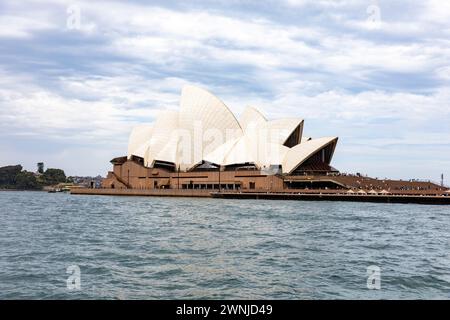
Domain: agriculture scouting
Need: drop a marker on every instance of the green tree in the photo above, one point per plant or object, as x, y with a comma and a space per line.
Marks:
8, 176
26, 181
53, 176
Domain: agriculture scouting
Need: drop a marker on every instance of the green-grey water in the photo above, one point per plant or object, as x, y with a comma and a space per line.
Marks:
186, 248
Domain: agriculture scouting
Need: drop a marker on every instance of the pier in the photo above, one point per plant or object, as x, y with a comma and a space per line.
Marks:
310, 196
418, 199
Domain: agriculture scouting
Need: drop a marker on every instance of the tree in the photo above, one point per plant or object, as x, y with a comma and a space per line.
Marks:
54, 176
26, 181
8, 175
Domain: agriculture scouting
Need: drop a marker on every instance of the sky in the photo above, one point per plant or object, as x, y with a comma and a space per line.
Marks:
76, 76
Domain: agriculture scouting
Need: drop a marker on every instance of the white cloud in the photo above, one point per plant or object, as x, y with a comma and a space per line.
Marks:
321, 65
91, 109
14, 26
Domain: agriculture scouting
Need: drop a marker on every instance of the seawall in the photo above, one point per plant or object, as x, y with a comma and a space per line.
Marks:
419, 199
443, 200
143, 192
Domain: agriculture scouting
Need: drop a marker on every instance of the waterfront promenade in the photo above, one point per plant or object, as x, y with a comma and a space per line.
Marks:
311, 195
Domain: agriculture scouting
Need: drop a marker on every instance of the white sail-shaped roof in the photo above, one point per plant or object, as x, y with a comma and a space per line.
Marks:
259, 151
265, 153
138, 140
274, 154
240, 153
163, 142
219, 155
251, 118
205, 130
278, 131
202, 112
281, 129
301, 152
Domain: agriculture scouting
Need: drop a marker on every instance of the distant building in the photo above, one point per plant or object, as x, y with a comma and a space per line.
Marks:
40, 167
88, 182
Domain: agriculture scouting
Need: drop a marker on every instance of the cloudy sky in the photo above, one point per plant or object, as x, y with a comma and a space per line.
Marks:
75, 77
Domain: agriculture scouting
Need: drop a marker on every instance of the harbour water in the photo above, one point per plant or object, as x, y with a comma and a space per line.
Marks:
194, 248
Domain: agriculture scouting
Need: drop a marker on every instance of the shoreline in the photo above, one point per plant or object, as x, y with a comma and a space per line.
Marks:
403, 199
413, 199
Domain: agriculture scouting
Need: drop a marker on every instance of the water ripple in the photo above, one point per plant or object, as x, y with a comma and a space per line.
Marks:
166, 248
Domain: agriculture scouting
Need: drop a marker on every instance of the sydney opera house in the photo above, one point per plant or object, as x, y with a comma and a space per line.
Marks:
202, 149
204, 146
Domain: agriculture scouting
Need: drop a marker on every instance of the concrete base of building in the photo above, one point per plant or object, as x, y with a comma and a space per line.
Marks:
415, 199
143, 192
418, 199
